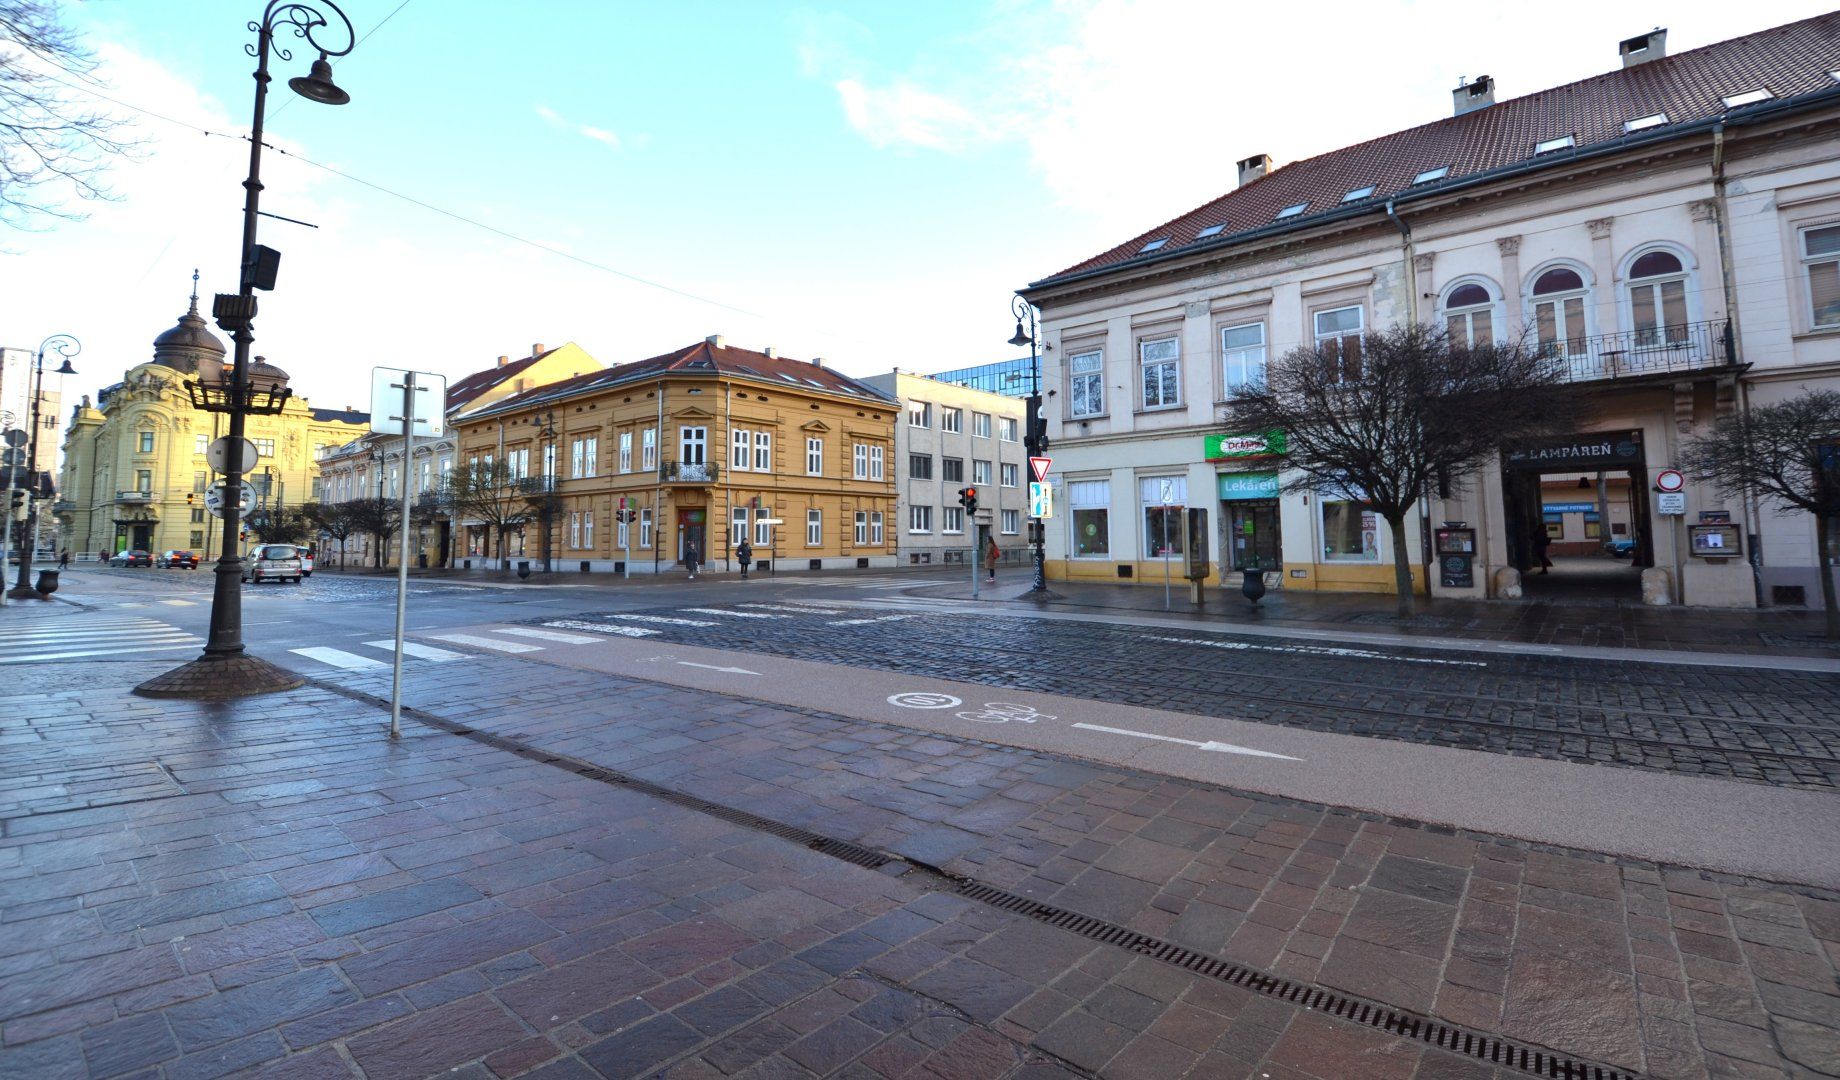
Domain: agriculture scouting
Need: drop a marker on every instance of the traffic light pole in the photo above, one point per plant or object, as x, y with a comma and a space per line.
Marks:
1035, 432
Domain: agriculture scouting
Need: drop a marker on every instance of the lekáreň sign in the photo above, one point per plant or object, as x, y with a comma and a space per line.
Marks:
1235, 486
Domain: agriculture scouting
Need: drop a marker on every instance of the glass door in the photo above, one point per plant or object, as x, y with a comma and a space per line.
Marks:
1252, 535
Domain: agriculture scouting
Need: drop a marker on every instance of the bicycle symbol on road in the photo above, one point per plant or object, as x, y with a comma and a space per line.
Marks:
1001, 712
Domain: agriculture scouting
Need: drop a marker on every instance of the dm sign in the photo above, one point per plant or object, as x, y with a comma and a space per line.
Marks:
1222, 447
1248, 485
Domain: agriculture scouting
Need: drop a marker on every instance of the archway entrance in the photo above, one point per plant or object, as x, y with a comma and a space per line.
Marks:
1577, 516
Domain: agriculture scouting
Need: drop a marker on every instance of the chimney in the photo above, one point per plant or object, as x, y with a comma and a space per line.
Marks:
537, 349
770, 353
714, 340
817, 361
1470, 96
503, 360
1254, 167
1644, 47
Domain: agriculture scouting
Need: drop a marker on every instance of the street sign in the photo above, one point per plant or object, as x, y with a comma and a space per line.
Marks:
1041, 500
216, 496
219, 457
1672, 503
15, 437
1166, 492
1669, 480
12, 455
769, 521
387, 402
1038, 466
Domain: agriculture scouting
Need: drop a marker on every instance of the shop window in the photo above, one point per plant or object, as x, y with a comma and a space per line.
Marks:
1350, 531
1090, 503
1163, 499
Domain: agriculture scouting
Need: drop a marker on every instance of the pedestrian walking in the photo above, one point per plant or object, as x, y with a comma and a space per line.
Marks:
64, 559
744, 555
992, 555
1541, 541
691, 557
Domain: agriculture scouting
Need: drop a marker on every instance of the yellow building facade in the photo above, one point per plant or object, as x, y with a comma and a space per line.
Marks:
707, 445
134, 472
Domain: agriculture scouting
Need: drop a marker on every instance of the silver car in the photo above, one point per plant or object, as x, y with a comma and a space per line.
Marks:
273, 562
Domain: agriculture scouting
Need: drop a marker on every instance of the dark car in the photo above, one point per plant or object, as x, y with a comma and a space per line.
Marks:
178, 559
136, 557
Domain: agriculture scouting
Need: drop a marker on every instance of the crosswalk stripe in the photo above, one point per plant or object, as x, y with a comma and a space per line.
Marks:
606, 628
801, 609
78, 641
131, 605
865, 622
339, 658
113, 650
733, 614
180, 603
416, 648
544, 635
664, 620
487, 643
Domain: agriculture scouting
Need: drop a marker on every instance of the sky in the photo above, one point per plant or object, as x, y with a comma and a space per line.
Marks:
865, 182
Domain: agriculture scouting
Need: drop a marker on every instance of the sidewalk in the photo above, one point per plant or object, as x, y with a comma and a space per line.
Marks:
271, 888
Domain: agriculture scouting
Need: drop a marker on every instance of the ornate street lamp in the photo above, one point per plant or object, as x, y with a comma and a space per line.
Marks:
225, 670
1035, 430
67, 347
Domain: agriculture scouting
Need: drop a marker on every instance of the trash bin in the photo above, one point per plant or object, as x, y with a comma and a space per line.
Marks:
47, 581
421, 560
523, 568
1253, 587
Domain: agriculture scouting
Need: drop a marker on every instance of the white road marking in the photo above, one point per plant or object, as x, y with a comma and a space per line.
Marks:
717, 667
339, 658
180, 603
734, 614
487, 643
113, 650
1221, 747
606, 628
416, 648
544, 635
131, 605
865, 622
1319, 650
920, 699
799, 609
662, 620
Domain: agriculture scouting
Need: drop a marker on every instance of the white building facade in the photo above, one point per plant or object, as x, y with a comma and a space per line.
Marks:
1670, 229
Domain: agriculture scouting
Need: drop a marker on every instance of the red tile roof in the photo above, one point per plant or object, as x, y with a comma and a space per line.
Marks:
1791, 61
463, 391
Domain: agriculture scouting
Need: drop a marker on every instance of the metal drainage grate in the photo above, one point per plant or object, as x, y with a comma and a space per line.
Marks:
1488, 1048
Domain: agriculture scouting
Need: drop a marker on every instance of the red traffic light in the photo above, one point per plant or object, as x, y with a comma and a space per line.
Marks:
971, 493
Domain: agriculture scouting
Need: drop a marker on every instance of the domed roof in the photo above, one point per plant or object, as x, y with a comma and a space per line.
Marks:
187, 342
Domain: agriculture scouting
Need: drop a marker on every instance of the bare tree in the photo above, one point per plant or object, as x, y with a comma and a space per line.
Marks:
280, 524
378, 517
546, 507
52, 144
487, 493
1788, 452
1386, 419
335, 520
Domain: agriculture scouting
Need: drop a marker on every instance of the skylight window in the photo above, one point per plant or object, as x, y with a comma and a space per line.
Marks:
1211, 230
1290, 211
1153, 245
1749, 97
1563, 142
1358, 193
1643, 123
1429, 175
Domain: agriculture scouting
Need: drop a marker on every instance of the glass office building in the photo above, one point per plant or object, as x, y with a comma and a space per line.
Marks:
1011, 378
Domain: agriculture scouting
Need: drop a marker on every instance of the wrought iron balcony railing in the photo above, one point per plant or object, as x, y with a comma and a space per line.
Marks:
688, 472
1631, 354
536, 485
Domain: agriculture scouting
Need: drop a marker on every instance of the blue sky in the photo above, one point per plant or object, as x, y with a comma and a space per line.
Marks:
866, 182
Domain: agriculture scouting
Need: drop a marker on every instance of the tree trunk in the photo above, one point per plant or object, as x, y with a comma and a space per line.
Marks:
1402, 565
1824, 563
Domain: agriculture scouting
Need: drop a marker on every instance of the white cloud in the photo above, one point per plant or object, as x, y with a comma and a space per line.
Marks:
600, 135
903, 114
586, 131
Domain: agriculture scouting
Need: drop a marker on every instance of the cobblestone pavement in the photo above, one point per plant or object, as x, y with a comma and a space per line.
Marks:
1773, 727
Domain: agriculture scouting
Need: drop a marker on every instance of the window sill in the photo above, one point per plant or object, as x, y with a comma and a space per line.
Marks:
1089, 417
1815, 333
1177, 407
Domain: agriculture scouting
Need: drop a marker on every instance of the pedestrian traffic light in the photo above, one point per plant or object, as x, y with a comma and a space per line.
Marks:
967, 498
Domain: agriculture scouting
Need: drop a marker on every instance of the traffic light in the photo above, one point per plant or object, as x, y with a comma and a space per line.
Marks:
18, 504
190, 498
1035, 434
967, 498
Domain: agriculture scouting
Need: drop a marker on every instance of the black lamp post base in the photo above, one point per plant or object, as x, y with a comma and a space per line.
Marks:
25, 592
211, 678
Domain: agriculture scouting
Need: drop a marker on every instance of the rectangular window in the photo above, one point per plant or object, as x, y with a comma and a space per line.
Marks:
574, 529
146, 442
626, 451
200, 481
763, 533
1242, 353
648, 450
645, 527
919, 519
875, 526
624, 537
919, 414
1821, 262
980, 425
549, 463
1162, 363
763, 451
197, 516
200, 443
693, 445
814, 457
582, 455
143, 481
587, 529
1338, 340
1163, 498
1011, 474
265, 447
1085, 387
1091, 504
740, 451
814, 528
980, 472
737, 524
861, 534
952, 420
952, 520
859, 461
1008, 429
517, 463
1351, 532
952, 470
1012, 522
919, 466
197, 539
876, 471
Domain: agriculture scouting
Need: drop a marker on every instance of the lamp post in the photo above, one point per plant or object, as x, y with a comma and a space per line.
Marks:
225, 669
67, 347
1035, 429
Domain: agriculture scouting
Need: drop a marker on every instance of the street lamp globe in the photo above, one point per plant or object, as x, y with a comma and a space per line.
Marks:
317, 84
65, 369
1021, 337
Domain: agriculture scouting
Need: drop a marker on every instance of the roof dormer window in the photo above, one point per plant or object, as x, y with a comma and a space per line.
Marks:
1359, 193
1749, 97
1643, 123
1153, 245
1563, 142
1211, 230
1429, 175
1291, 211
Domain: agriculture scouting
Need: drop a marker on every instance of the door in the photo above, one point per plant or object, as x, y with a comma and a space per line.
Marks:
1252, 535
692, 528
143, 537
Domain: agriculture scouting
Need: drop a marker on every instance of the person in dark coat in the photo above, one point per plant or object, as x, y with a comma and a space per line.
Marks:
691, 557
1541, 541
744, 555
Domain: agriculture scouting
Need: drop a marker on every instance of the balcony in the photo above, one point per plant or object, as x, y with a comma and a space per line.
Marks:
1638, 354
536, 485
687, 472
134, 496
63, 506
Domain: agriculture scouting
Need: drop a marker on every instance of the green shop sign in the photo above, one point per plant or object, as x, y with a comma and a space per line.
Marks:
1248, 485
1222, 447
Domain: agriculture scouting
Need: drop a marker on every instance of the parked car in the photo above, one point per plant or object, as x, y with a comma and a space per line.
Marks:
1620, 547
273, 562
132, 557
174, 560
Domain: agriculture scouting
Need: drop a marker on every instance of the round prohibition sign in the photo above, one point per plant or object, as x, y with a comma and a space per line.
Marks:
921, 700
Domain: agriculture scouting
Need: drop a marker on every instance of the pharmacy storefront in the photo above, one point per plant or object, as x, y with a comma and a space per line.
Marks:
1247, 487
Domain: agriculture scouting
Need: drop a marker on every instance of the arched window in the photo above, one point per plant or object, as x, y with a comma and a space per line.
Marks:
1658, 298
1469, 315
1559, 298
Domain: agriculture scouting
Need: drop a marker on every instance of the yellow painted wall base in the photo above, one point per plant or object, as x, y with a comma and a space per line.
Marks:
1321, 577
